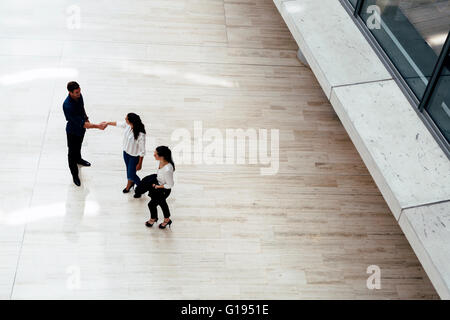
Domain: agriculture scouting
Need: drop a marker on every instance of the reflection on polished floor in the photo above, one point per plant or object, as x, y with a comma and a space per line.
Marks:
310, 231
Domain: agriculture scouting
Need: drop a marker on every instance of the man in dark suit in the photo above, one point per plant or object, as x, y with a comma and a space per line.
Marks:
77, 123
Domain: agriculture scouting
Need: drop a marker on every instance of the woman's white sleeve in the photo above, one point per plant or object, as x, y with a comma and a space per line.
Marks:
121, 124
169, 179
141, 145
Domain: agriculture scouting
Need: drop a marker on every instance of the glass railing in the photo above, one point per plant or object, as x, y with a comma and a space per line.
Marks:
413, 36
438, 106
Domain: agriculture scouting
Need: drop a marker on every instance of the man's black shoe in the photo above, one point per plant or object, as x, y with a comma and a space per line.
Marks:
137, 195
84, 163
77, 181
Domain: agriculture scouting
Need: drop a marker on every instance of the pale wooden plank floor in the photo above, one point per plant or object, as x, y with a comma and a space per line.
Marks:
308, 232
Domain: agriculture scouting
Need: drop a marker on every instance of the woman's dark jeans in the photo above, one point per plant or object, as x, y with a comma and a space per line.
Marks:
131, 163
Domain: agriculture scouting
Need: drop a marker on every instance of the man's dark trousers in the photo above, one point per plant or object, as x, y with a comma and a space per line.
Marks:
74, 143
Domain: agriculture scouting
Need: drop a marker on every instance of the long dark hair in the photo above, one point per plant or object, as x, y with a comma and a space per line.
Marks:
165, 152
138, 126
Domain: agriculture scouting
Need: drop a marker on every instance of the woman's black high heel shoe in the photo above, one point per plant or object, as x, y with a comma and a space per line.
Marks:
128, 190
150, 224
167, 224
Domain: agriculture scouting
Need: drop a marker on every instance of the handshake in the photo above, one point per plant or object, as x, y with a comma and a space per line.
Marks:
102, 125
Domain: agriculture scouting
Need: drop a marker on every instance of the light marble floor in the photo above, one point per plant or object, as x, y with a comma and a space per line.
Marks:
308, 232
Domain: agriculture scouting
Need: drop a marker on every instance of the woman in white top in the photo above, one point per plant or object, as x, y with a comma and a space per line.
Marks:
159, 186
133, 147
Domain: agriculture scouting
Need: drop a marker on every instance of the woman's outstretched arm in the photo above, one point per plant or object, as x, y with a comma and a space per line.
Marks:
117, 124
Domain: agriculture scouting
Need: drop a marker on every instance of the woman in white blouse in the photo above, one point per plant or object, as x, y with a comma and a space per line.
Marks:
133, 147
159, 186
